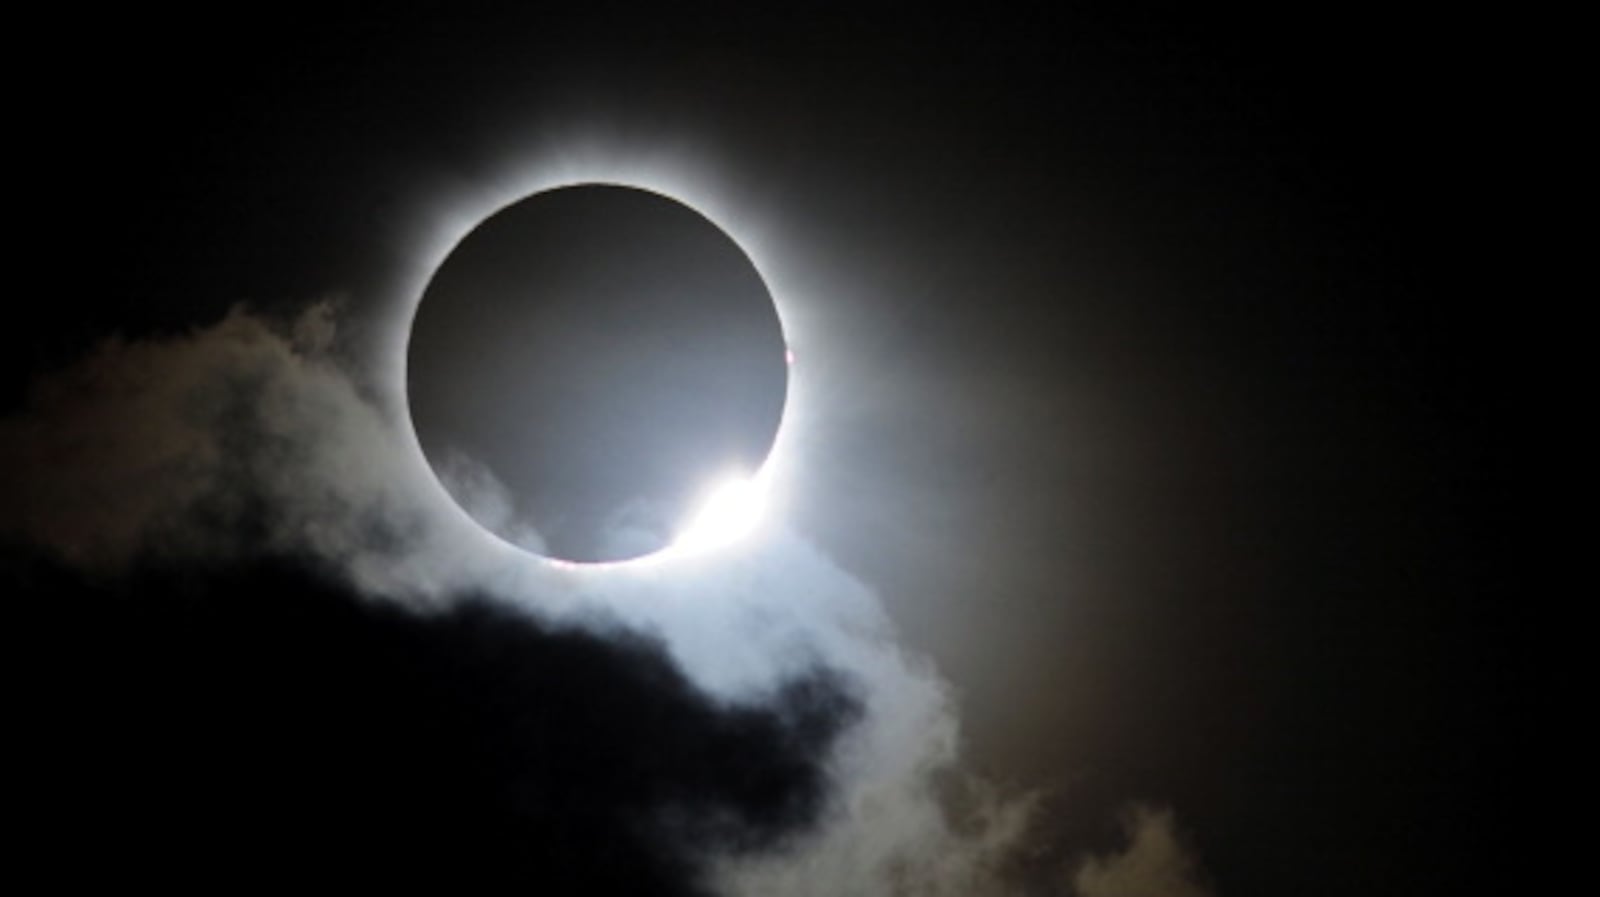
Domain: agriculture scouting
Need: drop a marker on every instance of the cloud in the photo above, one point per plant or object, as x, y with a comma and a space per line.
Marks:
242, 437
199, 458
475, 487
1155, 863
261, 722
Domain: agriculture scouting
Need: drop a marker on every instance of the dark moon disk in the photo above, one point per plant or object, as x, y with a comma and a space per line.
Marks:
606, 354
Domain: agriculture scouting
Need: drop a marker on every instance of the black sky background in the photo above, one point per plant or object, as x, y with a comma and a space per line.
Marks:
1261, 578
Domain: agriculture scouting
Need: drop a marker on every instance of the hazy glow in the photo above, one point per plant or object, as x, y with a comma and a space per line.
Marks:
731, 510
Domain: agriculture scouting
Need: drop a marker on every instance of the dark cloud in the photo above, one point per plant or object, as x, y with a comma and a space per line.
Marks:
257, 722
1156, 862
168, 469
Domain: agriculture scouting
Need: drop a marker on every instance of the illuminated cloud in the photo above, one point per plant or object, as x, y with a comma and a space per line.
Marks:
245, 441
1155, 863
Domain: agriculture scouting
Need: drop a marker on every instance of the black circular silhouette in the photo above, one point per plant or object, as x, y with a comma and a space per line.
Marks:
589, 361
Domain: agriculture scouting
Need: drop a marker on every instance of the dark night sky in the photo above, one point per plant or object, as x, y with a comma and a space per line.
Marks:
1161, 398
